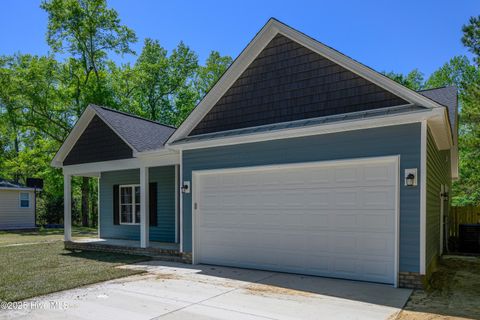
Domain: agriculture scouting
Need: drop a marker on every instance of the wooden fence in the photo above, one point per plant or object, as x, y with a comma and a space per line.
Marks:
461, 215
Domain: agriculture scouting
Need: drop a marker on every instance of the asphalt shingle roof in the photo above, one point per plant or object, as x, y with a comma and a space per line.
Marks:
9, 184
142, 134
446, 96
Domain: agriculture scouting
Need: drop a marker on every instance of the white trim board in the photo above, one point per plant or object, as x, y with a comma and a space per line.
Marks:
76, 133
370, 160
423, 196
264, 36
73, 136
341, 126
93, 169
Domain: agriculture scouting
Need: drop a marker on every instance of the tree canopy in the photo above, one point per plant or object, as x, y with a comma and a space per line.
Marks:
42, 96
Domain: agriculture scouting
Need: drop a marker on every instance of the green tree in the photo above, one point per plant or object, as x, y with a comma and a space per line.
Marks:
465, 76
87, 30
471, 37
41, 97
413, 80
160, 78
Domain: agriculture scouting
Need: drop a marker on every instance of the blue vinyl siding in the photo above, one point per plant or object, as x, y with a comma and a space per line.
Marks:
438, 173
403, 140
165, 229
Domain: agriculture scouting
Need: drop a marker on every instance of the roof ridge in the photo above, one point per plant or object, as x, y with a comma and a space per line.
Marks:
132, 115
437, 88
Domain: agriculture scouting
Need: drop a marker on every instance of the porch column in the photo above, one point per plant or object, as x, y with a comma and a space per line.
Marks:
67, 207
144, 207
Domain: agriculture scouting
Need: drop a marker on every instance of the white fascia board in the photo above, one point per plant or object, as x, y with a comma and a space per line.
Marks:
103, 166
358, 68
77, 131
94, 169
258, 43
154, 153
454, 163
266, 34
423, 197
163, 158
358, 124
439, 127
73, 136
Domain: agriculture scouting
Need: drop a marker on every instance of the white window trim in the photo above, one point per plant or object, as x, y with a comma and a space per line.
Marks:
20, 200
133, 204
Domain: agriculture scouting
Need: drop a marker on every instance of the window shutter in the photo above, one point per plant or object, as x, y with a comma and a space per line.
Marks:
152, 199
116, 204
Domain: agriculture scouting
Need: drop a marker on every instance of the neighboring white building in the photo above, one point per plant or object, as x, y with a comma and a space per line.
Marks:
17, 209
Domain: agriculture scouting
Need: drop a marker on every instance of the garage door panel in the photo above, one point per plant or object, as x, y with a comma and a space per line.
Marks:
335, 220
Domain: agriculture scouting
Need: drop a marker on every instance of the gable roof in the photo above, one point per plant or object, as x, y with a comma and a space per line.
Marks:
259, 42
138, 133
446, 96
289, 82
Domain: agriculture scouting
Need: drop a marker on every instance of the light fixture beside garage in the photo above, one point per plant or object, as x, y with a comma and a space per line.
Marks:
410, 177
186, 187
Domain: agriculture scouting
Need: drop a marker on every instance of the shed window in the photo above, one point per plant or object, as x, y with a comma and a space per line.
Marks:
24, 200
129, 204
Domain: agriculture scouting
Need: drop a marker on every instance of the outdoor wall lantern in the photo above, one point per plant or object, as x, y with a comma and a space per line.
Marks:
444, 195
411, 177
410, 180
185, 187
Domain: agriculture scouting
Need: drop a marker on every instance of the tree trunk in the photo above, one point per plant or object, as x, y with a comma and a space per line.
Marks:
85, 200
16, 174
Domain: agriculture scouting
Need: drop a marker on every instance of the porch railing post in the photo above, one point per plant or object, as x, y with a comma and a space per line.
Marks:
67, 207
144, 207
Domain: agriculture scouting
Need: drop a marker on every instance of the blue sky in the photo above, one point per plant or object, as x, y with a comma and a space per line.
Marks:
385, 35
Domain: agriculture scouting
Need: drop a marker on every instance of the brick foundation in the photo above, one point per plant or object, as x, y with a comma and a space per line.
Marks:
411, 280
156, 253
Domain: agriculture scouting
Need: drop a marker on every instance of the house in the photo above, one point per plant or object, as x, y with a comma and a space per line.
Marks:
17, 209
299, 159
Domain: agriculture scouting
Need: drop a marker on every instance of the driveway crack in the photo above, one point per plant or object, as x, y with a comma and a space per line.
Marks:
216, 296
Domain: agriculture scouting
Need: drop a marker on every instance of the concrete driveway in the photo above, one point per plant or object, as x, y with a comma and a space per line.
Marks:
179, 291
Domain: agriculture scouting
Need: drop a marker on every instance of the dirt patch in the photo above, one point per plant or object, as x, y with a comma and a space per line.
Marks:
413, 315
453, 293
263, 289
168, 276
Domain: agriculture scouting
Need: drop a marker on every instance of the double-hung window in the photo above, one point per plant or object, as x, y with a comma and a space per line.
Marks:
129, 204
24, 200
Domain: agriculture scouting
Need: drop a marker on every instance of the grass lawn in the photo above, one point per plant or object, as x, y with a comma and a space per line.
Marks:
35, 269
42, 235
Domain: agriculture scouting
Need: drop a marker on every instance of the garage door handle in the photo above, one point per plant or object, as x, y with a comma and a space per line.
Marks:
195, 206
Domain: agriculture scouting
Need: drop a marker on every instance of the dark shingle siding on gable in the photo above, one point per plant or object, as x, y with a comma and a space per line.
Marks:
98, 143
142, 134
288, 82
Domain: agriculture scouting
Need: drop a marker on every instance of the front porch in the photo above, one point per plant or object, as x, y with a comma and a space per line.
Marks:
138, 181
138, 205
159, 250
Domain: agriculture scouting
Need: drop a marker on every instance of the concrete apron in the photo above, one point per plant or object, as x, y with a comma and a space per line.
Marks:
179, 291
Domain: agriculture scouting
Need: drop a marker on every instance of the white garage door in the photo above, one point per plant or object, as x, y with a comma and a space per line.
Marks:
335, 219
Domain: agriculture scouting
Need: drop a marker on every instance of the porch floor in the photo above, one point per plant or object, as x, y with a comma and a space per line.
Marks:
128, 243
158, 250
